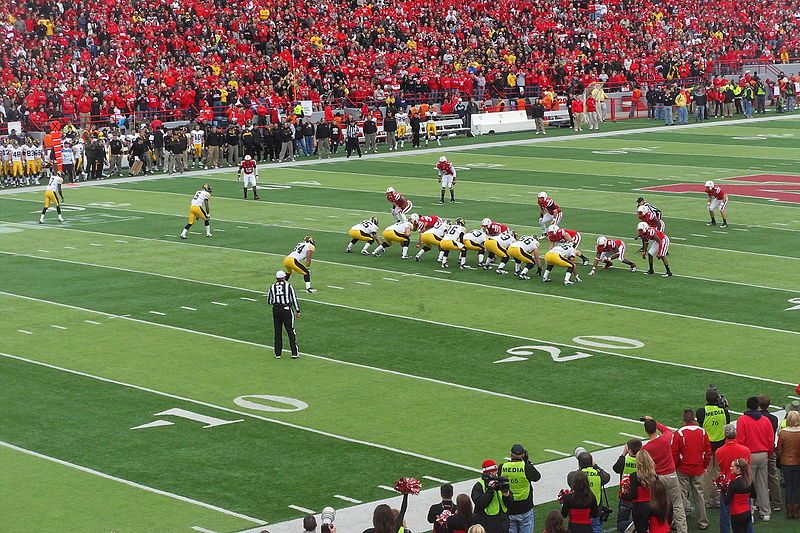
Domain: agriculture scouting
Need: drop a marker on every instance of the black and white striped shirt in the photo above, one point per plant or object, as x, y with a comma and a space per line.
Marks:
282, 293
352, 130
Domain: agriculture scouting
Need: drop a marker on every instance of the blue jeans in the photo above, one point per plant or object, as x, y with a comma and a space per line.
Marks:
699, 112
683, 115
308, 145
597, 525
748, 107
623, 515
668, 115
521, 523
725, 518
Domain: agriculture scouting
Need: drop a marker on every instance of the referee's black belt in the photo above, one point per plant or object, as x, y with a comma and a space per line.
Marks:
285, 307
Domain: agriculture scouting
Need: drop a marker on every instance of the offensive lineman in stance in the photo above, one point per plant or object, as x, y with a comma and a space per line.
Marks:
199, 209
249, 171
563, 254
299, 260
525, 251
397, 232
366, 230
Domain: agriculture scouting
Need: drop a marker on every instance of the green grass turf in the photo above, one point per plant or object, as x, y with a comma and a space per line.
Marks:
384, 314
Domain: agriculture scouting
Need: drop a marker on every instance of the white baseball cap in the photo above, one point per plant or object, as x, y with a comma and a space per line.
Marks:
280, 274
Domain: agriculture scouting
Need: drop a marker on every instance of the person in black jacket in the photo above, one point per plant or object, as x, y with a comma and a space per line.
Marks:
250, 142
308, 138
416, 125
491, 499
271, 145
435, 510
232, 142
178, 148
537, 112
284, 135
390, 127
157, 141
370, 130
323, 135
214, 142
115, 150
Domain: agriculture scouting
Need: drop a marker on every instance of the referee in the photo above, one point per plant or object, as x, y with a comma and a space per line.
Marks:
285, 308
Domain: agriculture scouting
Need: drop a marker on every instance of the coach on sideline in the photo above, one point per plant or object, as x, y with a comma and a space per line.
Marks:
285, 308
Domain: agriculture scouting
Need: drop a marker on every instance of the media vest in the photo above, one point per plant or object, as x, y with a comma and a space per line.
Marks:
594, 481
497, 506
517, 480
714, 423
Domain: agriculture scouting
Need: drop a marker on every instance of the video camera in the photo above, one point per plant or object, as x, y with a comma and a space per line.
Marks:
496, 482
722, 402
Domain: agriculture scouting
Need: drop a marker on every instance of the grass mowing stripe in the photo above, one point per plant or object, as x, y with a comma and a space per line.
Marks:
422, 320
503, 288
219, 407
120, 480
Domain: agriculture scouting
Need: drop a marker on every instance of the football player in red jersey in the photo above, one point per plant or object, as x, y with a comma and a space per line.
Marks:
400, 204
659, 247
549, 212
558, 235
607, 250
248, 170
423, 223
646, 215
717, 199
447, 178
492, 228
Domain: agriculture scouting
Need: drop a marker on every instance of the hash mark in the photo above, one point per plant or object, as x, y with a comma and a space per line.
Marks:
70, 248
120, 241
95, 244
310, 219
242, 227
386, 487
435, 479
677, 238
93, 322
335, 287
333, 216
631, 435
44, 251
202, 529
740, 229
721, 232
593, 443
562, 454
347, 498
159, 313
698, 235
391, 279
245, 298
219, 303
222, 230
780, 224
25, 331
57, 326
443, 271
363, 283
188, 308
301, 509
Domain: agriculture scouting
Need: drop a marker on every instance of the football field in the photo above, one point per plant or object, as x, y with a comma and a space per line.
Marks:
140, 391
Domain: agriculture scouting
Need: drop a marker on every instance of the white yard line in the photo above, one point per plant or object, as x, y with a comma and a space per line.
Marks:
631, 435
301, 509
131, 483
346, 498
556, 452
387, 487
202, 529
235, 411
435, 479
428, 321
593, 443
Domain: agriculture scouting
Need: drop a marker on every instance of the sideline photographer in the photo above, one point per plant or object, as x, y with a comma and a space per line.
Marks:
597, 480
713, 417
492, 496
520, 473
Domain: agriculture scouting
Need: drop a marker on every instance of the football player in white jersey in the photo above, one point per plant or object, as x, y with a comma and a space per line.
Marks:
402, 127
399, 232
367, 231
452, 241
51, 196
78, 148
525, 251
562, 254
198, 208
197, 137
473, 240
299, 260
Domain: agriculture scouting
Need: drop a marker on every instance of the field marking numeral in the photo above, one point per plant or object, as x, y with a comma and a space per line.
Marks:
796, 306
616, 343
290, 404
553, 351
209, 421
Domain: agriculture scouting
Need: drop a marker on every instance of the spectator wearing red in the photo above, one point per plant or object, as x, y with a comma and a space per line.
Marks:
691, 451
659, 446
724, 457
754, 430
738, 494
580, 505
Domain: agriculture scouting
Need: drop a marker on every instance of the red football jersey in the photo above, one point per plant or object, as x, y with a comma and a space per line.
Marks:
446, 167
248, 167
563, 235
495, 228
650, 218
652, 234
715, 192
427, 222
548, 205
397, 199
612, 245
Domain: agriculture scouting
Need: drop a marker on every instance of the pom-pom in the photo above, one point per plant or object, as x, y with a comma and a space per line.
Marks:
562, 494
721, 482
625, 484
408, 485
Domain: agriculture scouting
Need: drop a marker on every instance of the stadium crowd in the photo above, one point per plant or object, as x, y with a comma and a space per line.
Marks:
104, 60
744, 469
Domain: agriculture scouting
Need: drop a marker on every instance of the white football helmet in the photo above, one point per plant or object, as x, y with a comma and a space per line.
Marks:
413, 217
642, 226
642, 209
552, 228
486, 222
247, 158
442, 159
601, 241
709, 184
542, 194
389, 190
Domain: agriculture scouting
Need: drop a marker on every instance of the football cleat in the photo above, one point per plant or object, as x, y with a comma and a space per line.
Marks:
312, 291
723, 225
364, 252
500, 271
634, 269
444, 265
649, 273
567, 282
712, 223
182, 236
524, 276
209, 235
350, 250
465, 267
546, 280
666, 275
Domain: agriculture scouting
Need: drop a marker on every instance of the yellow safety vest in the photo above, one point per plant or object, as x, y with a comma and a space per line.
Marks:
497, 505
594, 481
714, 423
520, 486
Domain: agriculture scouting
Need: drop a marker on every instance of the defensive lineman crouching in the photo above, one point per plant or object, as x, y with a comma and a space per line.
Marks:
606, 251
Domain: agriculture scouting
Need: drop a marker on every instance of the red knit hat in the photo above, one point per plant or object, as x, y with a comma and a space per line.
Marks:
488, 465
797, 390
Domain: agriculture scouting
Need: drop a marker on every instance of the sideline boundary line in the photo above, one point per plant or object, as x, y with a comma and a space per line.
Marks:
337, 361
122, 480
415, 319
457, 281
